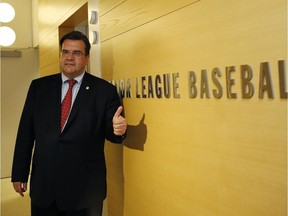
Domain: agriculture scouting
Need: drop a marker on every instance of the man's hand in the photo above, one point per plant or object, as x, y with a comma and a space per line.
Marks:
20, 187
119, 122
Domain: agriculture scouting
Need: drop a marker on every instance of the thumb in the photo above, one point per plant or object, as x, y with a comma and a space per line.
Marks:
118, 112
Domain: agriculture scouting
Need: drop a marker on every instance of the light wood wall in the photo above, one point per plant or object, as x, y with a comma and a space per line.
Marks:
197, 156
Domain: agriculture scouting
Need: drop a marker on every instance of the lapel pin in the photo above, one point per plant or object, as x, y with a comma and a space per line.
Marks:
87, 87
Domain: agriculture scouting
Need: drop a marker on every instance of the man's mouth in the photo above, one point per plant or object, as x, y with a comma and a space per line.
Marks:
69, 64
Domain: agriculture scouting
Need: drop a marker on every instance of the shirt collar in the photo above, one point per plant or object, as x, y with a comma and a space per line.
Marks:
78, 78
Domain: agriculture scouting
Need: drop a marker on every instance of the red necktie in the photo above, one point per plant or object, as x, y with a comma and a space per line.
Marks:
66, 103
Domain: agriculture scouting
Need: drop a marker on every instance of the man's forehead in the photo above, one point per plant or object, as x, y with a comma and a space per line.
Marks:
73, 44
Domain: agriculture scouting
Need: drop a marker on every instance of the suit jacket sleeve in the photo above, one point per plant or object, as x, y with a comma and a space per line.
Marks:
24, 141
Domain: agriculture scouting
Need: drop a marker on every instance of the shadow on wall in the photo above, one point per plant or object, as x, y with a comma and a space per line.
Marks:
136, 135
136, 139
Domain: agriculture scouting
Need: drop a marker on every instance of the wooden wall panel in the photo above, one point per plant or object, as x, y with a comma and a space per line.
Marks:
108, 5
49, 54
199, 156
132, 14
53, 13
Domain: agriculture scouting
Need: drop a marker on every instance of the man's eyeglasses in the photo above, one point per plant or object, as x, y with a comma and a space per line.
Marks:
73, 53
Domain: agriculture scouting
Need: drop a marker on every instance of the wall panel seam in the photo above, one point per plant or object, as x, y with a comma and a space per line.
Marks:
152, 20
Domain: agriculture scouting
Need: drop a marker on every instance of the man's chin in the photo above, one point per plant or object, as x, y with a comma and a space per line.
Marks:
69, 73
69, 69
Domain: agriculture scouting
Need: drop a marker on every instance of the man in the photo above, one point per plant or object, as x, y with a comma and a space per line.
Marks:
68, 172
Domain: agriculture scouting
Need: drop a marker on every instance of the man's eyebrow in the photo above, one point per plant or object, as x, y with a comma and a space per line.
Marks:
72, 50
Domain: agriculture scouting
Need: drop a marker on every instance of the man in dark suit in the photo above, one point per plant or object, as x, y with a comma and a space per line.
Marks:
68, 172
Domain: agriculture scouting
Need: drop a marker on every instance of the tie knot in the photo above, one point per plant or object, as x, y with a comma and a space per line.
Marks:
71, 82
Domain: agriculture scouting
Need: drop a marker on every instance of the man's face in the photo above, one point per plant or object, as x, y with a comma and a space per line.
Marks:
72, 58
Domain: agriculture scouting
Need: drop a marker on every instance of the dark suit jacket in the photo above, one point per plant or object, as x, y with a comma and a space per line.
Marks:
67, 167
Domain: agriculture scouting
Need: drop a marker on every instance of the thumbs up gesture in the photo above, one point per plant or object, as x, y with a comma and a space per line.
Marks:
119, 122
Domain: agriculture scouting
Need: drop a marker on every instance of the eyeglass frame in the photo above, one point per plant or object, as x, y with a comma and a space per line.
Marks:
74, 53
